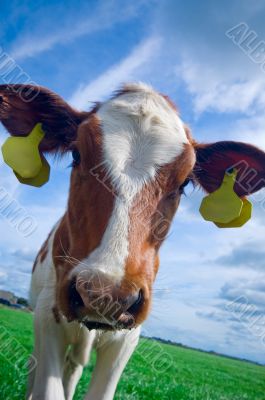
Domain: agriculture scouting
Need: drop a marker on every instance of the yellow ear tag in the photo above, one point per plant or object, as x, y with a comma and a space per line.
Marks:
22, 153
38, 180
223, 205
242, 219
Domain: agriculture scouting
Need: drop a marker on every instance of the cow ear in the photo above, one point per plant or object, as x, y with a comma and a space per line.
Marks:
23, 106
213, 160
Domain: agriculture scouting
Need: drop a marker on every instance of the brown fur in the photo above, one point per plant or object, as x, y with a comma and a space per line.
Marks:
214, 159
89, 208
59, 120
151, 217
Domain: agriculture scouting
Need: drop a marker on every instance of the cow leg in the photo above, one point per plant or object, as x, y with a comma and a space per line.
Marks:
76, 359
72, 373
50, 348
113, 354
31, 376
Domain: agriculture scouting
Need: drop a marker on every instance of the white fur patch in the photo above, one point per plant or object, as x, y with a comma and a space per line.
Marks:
44, 274
141, 132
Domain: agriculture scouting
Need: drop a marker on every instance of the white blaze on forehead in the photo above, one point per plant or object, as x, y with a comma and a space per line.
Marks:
140, 132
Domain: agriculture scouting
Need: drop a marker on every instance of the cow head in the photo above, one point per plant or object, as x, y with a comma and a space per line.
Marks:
132, 157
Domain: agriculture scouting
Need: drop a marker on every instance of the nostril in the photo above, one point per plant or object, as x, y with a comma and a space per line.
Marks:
137, 303
75, 298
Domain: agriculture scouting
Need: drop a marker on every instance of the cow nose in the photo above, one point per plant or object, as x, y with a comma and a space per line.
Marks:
105, 302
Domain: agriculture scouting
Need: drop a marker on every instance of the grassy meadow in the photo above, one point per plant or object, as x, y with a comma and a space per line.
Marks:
156, 371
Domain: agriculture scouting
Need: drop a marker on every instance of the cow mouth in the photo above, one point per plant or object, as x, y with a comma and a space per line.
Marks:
125, 321
91, 325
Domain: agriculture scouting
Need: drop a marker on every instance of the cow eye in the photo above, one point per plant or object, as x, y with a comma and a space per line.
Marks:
76, 157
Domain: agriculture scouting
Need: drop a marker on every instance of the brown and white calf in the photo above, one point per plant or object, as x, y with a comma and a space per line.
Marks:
92, 280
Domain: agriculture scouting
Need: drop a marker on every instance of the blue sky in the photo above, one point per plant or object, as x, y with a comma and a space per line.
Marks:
84, 50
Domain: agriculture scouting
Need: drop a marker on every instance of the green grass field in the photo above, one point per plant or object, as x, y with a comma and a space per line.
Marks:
156, 371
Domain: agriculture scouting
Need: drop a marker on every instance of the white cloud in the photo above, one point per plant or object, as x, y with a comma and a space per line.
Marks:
18, 252
105, 16
219, 93
250, 129
117, 74
218, 75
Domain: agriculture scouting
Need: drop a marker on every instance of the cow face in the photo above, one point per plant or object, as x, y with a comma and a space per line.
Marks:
132, 157
131, 160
